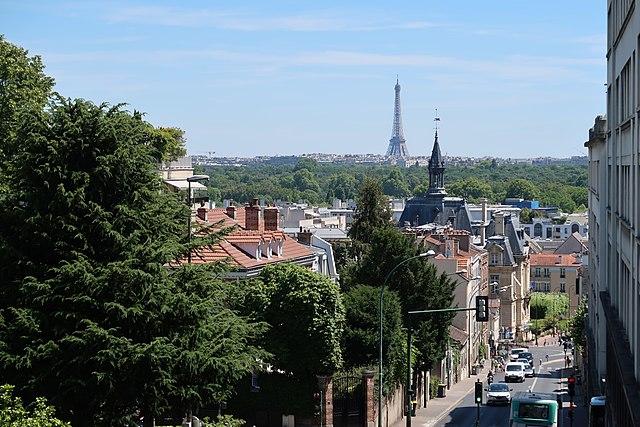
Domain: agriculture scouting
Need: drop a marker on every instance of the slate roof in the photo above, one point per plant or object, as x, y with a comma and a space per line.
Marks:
504, 243
515, 237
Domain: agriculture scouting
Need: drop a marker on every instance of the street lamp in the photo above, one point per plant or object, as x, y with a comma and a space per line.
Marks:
429, 253
194, 178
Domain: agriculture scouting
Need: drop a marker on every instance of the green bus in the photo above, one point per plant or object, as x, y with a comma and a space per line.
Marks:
535, 409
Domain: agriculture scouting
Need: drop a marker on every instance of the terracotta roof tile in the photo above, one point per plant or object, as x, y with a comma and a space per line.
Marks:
548, 260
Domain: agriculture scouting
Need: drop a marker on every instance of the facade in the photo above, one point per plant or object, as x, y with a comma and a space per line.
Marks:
614, 215
175, 174
545, 228
509, 275
560, 273
467, 264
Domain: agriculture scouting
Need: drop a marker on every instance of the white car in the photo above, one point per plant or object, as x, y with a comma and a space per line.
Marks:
514, 371
529, 370
515, 353
498, 393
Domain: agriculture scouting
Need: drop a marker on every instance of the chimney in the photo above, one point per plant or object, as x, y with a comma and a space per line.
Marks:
202, 214
253, 216
304, 237
499, 220
271, 218
231, 211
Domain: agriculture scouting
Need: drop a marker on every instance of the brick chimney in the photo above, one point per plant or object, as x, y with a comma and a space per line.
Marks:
271, 216
304, 237
231, 211
253, 216
202, 214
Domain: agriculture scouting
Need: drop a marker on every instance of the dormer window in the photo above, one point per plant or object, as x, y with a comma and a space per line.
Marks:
495, 258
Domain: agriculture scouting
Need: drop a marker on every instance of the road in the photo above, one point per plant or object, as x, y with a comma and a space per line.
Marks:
546, 380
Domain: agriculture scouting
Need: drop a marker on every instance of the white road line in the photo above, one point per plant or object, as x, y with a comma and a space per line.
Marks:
533, 386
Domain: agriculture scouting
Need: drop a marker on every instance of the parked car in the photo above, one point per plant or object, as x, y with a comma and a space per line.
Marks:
498, 393
514, 371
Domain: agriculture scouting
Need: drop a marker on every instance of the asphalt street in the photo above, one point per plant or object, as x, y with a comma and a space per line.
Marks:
547, 380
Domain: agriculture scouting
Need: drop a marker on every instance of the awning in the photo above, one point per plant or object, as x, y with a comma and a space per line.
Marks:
182, 184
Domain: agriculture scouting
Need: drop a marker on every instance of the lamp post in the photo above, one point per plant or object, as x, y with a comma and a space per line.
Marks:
194, 178
429, 253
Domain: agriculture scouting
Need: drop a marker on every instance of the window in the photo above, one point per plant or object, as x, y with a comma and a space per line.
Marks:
494, 287
577, 286
563, 273
549, 232
547, 273
545, 287
537, 272
537, 230
495, 258
563, 287
494, 278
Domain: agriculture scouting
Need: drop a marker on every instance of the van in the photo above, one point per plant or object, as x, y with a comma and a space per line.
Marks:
514, 371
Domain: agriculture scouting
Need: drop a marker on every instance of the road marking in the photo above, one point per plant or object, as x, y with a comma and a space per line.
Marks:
533, 386
448, 410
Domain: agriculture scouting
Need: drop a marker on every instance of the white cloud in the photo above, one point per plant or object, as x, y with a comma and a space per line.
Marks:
239, 21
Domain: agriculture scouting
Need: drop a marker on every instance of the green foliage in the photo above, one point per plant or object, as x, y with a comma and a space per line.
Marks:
372, 212
522, 188
417, 283
24, 88
433, 386
361, 334
223, 421
576, 324
472, 189
14, 414
91, 317
544, 305
306, 315
170, 142
274, 180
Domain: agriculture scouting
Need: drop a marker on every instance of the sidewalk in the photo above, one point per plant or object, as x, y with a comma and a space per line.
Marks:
580, 410
438, 408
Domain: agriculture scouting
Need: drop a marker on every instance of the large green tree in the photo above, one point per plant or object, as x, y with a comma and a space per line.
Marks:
522, 188
372, 211
24, 88
91, 316
306, 318
361, 334
14, 414
417, 283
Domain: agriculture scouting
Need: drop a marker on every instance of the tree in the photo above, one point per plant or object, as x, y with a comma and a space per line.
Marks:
522, 188
471, 189
24, 88
306, 315
341, 186
417, 283
91, 317
14, 414
577, 324
372, 211
361, 336
170, 142
395, 184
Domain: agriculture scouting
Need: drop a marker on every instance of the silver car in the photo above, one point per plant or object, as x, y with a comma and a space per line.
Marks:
498, 394
529, 369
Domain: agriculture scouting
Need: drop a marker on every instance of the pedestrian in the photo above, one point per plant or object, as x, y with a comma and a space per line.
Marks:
547, 357
540, 362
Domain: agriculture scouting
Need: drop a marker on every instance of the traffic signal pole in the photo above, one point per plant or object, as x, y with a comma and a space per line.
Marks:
482, 315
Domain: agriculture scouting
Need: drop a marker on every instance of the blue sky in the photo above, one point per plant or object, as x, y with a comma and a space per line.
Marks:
509, 78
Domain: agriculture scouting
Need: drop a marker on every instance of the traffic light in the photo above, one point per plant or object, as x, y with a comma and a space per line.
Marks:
478, 392
571, 382
482, 309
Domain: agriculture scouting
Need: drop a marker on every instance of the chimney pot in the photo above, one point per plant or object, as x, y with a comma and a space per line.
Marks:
202, 213
231, 211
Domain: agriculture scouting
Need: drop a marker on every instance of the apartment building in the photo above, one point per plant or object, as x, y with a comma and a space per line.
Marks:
561, 273
613, 352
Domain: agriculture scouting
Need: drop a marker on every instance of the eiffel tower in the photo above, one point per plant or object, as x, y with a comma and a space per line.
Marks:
397, 143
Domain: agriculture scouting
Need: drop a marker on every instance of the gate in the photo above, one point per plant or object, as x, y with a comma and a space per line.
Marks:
348, 401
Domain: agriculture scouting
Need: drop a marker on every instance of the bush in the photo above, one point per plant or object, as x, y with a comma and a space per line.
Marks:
13, 413
433, 386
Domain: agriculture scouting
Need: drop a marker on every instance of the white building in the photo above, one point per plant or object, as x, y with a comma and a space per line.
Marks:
614, 216
545, 228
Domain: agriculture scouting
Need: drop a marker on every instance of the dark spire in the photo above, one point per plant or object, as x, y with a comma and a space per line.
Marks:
436, 165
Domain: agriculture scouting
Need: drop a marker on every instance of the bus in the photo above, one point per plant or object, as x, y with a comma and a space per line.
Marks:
535, 409
596, 411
